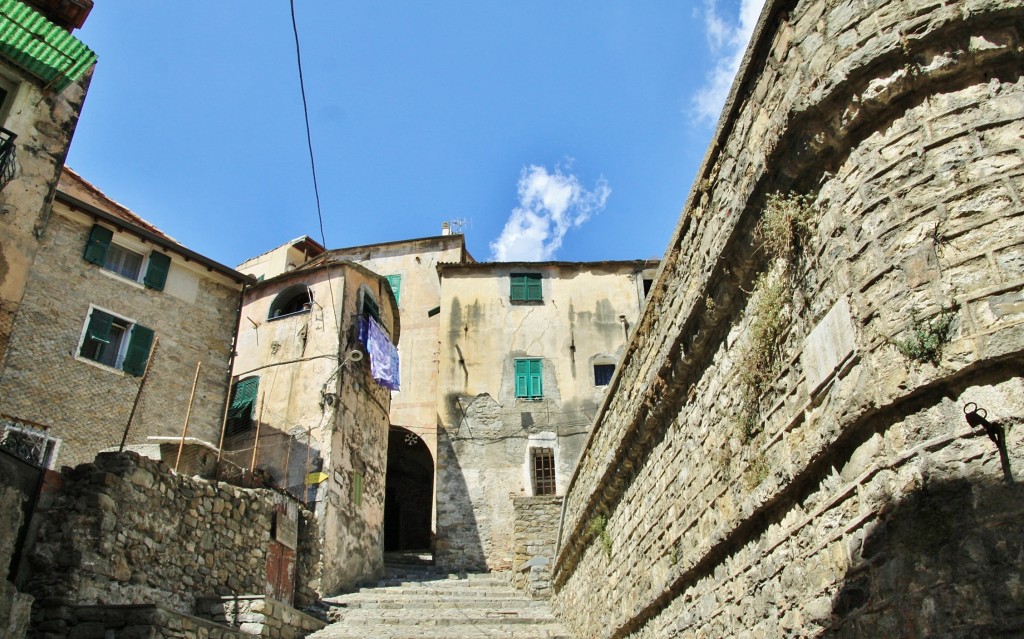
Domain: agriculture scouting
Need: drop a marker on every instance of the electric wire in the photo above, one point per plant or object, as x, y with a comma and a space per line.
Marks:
312, 160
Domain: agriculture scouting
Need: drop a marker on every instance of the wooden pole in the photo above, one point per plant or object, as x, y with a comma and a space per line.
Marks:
256, 442
138, 394
188, 415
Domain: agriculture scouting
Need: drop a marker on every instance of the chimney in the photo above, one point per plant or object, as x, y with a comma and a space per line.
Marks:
446, 228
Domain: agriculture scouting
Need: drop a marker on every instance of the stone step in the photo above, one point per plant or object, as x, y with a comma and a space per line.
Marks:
339, 632
451, 606
371, 601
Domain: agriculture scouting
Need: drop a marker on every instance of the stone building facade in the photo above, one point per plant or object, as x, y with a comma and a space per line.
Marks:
41, 96
815, 428
410, 268
109, 294
306, 409
526, 354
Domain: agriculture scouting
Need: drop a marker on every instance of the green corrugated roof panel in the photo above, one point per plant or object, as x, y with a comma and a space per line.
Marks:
40, 47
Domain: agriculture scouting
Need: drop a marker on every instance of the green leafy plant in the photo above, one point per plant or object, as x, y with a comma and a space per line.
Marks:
598, 527
927, 338
760, 359
785, 224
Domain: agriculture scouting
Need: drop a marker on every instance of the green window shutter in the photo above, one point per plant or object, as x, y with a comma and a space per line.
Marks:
138, 350
99, 326
525, 287
99, 242
536, 387
533, 291
522, 378
518, 292
243, 402
396, 285
357, 489
156, 272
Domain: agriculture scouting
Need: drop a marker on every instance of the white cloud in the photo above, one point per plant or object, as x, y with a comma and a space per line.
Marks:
728, 40
549, 205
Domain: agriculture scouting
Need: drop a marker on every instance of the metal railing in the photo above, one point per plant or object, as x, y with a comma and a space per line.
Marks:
7, 156
28, 441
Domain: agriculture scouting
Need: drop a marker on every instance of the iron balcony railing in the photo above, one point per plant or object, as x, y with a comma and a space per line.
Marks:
7, 160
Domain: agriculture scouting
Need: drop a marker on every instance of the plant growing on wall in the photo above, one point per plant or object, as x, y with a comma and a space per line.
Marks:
927, 338
598, 528
783, 232
786, 224
759, 362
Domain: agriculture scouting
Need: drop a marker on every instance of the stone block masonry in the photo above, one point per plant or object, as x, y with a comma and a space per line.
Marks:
535, 533
124, 531
846, 495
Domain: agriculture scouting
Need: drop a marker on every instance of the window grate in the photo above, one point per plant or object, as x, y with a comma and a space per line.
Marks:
542, 470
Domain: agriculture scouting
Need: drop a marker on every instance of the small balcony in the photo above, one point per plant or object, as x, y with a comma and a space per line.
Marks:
7, 159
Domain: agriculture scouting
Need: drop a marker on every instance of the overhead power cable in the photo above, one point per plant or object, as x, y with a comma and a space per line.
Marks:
309, 135
312, 161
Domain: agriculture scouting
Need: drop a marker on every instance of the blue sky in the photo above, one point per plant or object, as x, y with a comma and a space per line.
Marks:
565, 130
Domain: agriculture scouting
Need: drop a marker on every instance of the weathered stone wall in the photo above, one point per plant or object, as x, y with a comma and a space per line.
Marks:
315, 400
14, 606
856, 500
44, 122
486, 431
125, 531
534, 540
86, 404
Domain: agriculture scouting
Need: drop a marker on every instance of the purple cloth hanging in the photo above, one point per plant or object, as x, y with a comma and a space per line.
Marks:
383, 354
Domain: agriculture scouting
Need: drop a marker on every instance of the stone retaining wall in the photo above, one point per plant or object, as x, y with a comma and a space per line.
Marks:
535, 533
855, 499
124, 531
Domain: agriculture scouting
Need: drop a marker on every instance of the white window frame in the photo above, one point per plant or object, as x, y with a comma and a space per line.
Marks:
135, 247
122, 349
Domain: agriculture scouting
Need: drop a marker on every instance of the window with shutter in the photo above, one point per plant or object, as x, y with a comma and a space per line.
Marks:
156, 272
525, 287
243, 402
529, 374
116, 342
99, 242
396, 285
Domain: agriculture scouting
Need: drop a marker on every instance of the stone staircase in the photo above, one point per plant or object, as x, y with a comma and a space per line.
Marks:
414, 600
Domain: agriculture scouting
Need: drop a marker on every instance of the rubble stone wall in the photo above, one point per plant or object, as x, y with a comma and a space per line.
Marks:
126, 531
858, 500
534, 537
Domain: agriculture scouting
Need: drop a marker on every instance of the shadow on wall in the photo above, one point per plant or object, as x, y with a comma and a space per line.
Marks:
285, 458
458, 545
946, 561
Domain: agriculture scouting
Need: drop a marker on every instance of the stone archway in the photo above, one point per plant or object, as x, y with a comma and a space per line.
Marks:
409, 492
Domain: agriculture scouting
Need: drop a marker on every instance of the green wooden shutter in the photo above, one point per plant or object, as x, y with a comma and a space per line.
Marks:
138, 350
99, 326
518, 285
536, 387
533, 290
99, 242
396, 285
156, 272
243, 402
522, 378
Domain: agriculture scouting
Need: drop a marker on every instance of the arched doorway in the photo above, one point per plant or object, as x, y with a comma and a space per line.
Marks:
408, 492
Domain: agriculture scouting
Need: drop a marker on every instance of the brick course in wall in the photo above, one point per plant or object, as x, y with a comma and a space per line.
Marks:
534, 536
861, 502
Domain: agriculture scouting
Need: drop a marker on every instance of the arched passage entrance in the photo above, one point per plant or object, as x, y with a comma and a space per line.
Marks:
408, 492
